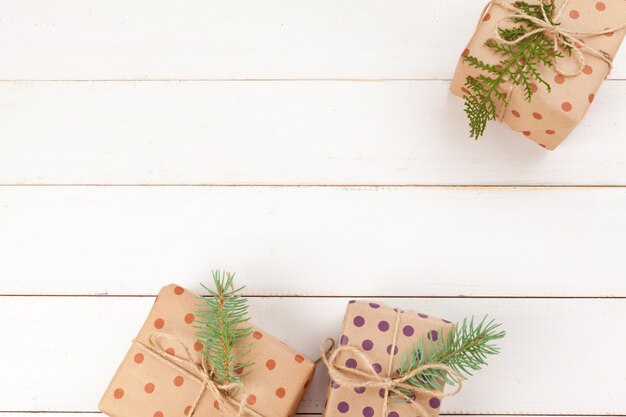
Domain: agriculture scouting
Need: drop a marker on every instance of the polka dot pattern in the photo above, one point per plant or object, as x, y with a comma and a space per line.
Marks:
144, 386
343, 407
280, 392
373, 337
434, 402
566, 104
367, 345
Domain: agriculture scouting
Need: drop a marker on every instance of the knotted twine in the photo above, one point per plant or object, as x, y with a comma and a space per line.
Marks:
561, 37
355, 378
199, 373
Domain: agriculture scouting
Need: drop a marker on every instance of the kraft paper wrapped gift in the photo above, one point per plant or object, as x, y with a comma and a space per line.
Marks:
156, 380
369, 327
550, 117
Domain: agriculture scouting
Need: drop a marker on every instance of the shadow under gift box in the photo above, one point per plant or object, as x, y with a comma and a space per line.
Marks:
550, 116
148, 384
369, 327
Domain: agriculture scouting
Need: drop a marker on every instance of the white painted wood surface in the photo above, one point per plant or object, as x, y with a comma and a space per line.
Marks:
317, 132
316, 240
240, 39
257, 114
549, 363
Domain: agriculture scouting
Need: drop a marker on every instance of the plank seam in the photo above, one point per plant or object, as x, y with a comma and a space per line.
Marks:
487, 297
362, 186
193, 80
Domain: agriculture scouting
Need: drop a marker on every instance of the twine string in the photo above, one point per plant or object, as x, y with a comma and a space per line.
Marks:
199, 373
355, 378
562, 37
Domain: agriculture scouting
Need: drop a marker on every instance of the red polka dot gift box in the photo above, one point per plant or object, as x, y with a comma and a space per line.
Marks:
161, 375
585, 26
373, 340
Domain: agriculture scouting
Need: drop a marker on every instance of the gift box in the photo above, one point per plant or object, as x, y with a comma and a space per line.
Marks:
373, 339
550, 116
162, 373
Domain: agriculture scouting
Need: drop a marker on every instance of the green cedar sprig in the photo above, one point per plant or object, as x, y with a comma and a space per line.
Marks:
465, 349
221, 321
519, 66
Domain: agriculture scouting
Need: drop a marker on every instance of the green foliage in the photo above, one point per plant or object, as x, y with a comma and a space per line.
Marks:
222, 327
519, 66
464, 350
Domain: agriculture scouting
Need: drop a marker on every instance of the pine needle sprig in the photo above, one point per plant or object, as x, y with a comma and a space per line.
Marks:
519, 66
465, 349
221, 323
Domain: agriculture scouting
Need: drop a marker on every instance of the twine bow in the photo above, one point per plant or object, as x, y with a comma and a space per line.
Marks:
562, 37
197, 372
355, 378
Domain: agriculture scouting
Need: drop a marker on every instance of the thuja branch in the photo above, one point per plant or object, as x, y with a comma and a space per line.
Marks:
519, 66
465, 349
221, 321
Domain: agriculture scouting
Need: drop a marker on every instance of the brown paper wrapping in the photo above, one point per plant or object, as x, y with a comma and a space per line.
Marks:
369, 328
550, 117
145, 386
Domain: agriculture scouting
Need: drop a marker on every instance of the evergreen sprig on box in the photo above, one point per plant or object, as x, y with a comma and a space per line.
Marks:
465, 349
222, 327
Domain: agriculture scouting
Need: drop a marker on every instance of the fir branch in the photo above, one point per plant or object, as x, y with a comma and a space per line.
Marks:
465, 349
222, 327
519, 66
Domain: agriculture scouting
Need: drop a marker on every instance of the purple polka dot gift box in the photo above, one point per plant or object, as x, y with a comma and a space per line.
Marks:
369, 350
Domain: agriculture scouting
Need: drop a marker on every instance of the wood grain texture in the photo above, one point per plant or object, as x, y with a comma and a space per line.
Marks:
315, 240
286, 133
242, 39
76, 344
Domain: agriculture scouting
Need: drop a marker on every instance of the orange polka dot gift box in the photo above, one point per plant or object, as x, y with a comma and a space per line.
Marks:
162, 374
580, 38
372, 345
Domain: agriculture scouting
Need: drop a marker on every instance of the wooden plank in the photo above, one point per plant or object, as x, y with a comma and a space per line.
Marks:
365, 39
76, 343
285, 133
315, 240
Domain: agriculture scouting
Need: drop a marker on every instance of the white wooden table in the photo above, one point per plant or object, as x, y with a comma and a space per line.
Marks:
311, 146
